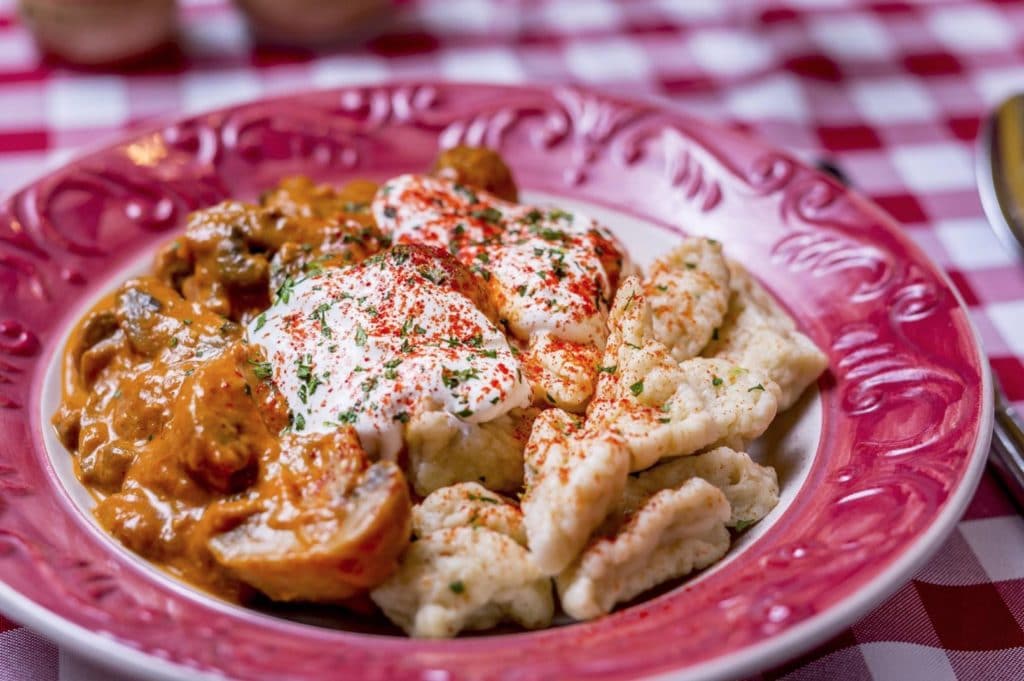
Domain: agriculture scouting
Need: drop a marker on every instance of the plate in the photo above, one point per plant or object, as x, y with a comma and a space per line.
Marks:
901, 420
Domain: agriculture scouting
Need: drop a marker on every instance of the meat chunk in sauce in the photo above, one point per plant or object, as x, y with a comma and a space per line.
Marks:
235, 256
325, 525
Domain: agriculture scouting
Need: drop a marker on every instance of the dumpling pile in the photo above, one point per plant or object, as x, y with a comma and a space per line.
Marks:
634, 474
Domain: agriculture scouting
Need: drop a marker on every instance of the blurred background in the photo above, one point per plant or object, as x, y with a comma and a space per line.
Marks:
889, 92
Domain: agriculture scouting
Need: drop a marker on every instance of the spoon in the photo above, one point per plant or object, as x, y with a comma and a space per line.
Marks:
1000, 174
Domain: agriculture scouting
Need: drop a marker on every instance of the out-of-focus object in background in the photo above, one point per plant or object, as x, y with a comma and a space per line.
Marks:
310, 22
100, 32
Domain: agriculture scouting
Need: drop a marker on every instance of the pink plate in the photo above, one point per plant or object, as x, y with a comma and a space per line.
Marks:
905, 407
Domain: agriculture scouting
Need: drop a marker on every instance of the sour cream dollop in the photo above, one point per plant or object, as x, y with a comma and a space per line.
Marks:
546, 269
374, 344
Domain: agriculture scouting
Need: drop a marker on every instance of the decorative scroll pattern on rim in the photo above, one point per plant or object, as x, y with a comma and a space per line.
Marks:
901, 403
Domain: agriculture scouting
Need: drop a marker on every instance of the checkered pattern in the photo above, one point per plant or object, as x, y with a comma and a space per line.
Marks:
890, 90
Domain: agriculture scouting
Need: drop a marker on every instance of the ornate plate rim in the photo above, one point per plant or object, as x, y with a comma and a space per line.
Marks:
774, 649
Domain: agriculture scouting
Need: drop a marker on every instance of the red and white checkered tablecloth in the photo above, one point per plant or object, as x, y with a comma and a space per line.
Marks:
890, 90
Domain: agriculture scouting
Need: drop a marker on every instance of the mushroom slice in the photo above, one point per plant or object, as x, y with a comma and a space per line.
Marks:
324, 525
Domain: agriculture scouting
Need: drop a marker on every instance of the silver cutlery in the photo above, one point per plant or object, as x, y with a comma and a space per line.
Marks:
1000, 175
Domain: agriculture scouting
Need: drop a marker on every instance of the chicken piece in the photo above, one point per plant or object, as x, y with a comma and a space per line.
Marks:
751, 489
668, 535
464, 578
688, 291
477, 167
572, 482
158, 323
468, 504
324, 524
224, 258
758, 334
662, 408
561, 373
444, 450
218, 431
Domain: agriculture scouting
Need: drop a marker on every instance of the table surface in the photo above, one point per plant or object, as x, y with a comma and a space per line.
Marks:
890, 91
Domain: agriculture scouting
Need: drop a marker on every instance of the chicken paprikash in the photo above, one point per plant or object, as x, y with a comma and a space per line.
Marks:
431, 395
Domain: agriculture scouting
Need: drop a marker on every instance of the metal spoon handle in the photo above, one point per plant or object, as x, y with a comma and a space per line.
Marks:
1007, 454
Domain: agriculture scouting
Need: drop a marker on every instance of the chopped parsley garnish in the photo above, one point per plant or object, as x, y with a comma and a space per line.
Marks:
744, 524
261, 321
490, 354
173, 342
558, 214
476, 341
299, 422
390, 212
466, 192
691, 265
608, 370
369, 384
310, 381
186, 322
756, 387
490, 215
522, 290
453, 377
284, 291
402, 417
320, 315
552, 235
347, 417
457, 586
637, 388
390, 365
716, 381
432, 274
464, 413
360, 336
262, 370
480, 497
661, 287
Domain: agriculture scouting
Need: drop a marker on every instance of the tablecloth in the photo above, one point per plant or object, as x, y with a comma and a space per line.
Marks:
890, 91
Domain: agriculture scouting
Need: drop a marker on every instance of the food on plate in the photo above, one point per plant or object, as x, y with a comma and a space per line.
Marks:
428, 396
758, 334
667, 534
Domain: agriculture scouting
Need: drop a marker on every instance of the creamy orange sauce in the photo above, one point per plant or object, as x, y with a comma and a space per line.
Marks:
238, 412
